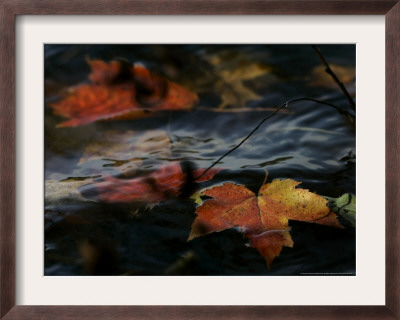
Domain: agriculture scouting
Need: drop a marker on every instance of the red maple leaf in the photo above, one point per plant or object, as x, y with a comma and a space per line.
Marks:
120, 91
263, 218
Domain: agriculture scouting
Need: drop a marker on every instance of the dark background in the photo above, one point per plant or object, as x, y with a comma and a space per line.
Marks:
313, 144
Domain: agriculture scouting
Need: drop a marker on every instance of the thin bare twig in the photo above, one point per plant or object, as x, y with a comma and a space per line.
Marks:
329, 71
238, 110
265, 119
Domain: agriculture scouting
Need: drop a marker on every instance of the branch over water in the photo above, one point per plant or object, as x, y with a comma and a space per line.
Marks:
334, 76
284, 105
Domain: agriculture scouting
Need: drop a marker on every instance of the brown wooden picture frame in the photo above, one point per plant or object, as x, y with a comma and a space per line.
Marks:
9, 9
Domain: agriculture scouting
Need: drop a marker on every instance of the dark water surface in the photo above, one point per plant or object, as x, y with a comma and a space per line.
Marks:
309, 142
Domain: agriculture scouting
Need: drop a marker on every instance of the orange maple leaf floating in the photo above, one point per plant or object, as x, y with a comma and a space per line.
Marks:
169, 181
120, 91
264, 219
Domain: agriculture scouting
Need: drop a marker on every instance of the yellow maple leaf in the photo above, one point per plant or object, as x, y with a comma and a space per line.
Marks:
232, 72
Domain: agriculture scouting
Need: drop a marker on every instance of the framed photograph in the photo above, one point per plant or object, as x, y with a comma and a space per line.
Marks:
184, 159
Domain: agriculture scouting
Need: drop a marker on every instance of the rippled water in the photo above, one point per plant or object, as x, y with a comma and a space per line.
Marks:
308, 142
